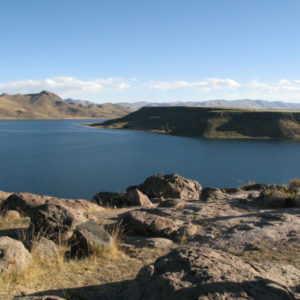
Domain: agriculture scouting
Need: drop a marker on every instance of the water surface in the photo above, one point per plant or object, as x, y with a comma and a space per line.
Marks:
64, 159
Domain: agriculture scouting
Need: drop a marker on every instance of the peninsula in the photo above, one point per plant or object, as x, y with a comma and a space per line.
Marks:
211, 122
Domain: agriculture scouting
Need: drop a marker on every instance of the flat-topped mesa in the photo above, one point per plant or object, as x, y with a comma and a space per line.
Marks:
212, 122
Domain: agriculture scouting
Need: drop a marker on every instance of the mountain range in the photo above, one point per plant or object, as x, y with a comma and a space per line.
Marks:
47, 105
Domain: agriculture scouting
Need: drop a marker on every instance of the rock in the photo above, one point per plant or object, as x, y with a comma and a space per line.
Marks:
107, 199
149, 224
255, 187
23, 202
156, 243
44, 248
12, 214
4, 196
14, 257
277, 199
171, 186
82, 210
185, 233
53, 221
89, 238
176, 203
47, 297
136, 198
203, 273
210, 193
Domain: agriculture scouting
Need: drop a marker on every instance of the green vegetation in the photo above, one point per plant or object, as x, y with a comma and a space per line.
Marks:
211, 122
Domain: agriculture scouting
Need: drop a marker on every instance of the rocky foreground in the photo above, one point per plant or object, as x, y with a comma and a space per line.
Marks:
231, 243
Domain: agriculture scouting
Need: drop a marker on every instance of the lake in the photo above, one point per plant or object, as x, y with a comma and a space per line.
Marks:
64, 159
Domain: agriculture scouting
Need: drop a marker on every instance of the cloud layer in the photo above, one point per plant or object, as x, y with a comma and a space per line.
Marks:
66, 85
210, 88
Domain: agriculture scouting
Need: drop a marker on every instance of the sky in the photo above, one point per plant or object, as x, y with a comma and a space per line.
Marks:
158, 50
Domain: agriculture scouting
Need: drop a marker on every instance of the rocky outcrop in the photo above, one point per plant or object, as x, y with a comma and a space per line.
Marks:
171, 186
14, 257
81, 210
203, 273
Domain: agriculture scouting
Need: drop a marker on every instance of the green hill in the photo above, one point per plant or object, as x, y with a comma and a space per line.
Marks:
211, 122
46, 105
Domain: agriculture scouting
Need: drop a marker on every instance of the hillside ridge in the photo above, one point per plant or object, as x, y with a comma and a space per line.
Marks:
212, 122
47, 105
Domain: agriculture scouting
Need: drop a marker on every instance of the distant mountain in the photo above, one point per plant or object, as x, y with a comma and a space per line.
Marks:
244, 103
47, 105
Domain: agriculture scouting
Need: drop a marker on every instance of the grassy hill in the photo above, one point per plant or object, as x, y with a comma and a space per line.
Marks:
46, 105
211, 122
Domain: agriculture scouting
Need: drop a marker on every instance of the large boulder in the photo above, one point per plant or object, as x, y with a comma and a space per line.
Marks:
53, 221
136, 198
171, 186
145, 223
203, 273
88, 238
82, 210
14, 257
108, 199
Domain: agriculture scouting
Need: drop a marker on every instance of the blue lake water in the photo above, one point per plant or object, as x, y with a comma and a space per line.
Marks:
64, 159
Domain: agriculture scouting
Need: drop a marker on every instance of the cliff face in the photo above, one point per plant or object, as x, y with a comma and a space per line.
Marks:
211, 122
46, 105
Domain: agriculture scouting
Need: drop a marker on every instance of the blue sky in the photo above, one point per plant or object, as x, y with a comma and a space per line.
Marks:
158, 50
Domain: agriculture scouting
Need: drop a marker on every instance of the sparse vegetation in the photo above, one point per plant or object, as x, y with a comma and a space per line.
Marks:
211, 122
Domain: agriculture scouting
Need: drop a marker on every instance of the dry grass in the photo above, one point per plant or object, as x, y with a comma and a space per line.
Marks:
61, 274
287, 254
9, 223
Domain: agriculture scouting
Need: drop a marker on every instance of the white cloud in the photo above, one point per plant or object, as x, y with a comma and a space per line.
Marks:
65, 85
133, 88
206, 85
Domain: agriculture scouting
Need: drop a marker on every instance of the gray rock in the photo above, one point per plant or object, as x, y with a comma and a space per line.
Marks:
107, 199
136, 198
39, 298
53, 221
82, 210
203, 273
209, 193
14, 257
156, 243
171, 186
88, 238
44, 248
150, 225
176, 203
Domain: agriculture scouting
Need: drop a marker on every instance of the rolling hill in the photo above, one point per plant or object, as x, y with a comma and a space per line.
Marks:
47, 105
